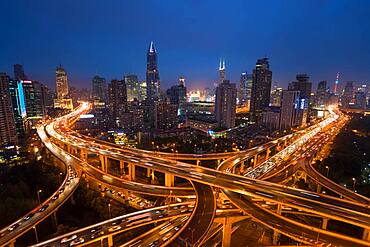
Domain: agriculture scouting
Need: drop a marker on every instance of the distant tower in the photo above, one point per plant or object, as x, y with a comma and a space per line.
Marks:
61, 82
222, 70
152, 74
336, 84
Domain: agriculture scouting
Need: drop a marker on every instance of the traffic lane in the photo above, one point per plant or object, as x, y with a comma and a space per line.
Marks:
290, 228
201, 220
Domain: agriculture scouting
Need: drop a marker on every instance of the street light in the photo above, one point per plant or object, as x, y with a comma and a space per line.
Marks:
37, 238
327, 172
354, 184
38, 195
109, 213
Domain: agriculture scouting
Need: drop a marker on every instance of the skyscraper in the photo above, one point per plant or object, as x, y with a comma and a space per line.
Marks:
61, 81
303, 85
289, 113
261, 86
132, 86
152, 75
17, 97
225, 105
7, 125
19, 72
117, 100
322, 95
222, 70
165, 115
245, 89
142, 91
177, 95
347, 96
99, 89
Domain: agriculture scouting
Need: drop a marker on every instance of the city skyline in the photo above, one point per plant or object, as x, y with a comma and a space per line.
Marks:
327, 43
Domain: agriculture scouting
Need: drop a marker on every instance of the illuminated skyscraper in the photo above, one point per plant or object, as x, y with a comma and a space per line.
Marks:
336, 84
177, 95
99, 89
261, 89
152, 74
117, 100
289, 114
132, 86
7, 124
222, 70
61, 81
304, 86
225, 105
245, 89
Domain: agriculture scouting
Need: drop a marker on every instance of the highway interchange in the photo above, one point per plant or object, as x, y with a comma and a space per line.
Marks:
190, 227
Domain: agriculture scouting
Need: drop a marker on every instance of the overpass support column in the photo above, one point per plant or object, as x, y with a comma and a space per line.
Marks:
169, 180
131, 172
122, 166
226, 232
103, 163
255, 158
275, 236
11, 244
318, 188
218, 162
198, 163
324, 223
83, 155
268, 151
110, 241
366, 234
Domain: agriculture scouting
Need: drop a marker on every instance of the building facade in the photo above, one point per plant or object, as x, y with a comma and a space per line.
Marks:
225, 104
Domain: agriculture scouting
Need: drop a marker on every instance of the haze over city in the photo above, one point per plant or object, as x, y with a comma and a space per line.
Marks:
319, 38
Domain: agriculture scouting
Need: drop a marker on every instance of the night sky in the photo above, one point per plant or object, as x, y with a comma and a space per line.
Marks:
110, 38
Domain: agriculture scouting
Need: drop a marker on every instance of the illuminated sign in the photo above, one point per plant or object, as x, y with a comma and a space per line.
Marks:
26, 82
22, 103
87, 116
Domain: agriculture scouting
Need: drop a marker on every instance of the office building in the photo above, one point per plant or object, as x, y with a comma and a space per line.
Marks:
99, 89
117, 100
271, 118
19, 74
152, 75
245, 89
61, 81
142, 91
289, 112
165, 115
177, 95
17, 97
132, 87
346, 98
276, 96
8, 138
304, 86
322, 95
225, 105
261, 87
222, 70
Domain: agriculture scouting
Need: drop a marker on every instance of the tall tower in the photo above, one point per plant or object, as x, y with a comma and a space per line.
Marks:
336, 84
261, 89
19, 72
225, 104
222, 70
152, 74
99, 88
61, 81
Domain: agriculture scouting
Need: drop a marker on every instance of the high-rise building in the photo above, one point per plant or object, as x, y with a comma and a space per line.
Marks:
117, 100
132, 86
142, 91
276, 96
165, 115
289, 113
33, 99
222, 70
99, 89
261, 87
47, 96
19, 72
347, 97
177, 95
17, 97
322, 95
152, 75
304, 86
61, 81
8, 138
245, 89
225, 105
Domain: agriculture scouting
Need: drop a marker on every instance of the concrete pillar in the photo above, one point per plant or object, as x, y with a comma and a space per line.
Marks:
276, 234
169, 180
122, 166
83, 155
318, 188
110, 241
104, 163
268, 151
198, 162
324, 223
255, 159
131, 172
226, 233
218, 162
11, 244
366, 234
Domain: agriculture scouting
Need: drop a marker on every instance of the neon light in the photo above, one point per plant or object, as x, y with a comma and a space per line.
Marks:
22, 102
